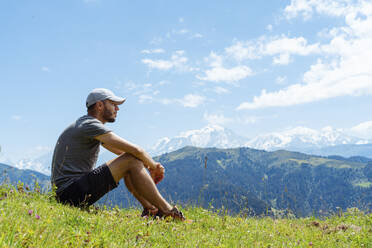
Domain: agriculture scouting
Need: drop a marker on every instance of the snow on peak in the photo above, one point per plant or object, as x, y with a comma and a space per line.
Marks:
303, 137
208, 136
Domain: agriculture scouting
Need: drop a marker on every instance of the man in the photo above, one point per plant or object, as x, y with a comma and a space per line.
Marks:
76, 153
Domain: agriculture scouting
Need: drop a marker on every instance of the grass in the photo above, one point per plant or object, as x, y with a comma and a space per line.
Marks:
316, 161
363, 184
31, 219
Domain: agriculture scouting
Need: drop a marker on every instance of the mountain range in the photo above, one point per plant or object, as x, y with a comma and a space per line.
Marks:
299, 139
255, 182
209, 136
325, 142
12, 175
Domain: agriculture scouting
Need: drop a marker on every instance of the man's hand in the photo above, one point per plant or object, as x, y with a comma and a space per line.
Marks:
157, 173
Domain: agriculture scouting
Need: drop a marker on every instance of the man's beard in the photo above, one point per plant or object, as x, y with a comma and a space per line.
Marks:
108, 116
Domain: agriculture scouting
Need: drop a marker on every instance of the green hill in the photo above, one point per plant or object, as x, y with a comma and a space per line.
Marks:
256, 182
12, 175
30, 219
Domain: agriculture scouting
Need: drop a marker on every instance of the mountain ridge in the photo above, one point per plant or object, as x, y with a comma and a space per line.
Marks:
301, 139
255, 182
327, 141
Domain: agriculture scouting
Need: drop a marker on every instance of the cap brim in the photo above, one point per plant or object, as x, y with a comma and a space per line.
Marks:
118, 100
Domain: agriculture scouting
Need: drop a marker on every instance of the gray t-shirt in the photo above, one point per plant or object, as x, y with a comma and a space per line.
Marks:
76, 151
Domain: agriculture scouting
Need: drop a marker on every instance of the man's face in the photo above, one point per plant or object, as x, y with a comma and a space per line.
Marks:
110, 110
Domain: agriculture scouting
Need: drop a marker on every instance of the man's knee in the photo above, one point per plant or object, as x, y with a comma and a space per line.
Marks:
124, 164
131, 161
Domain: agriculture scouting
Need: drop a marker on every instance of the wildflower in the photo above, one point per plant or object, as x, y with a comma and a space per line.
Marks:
310, 243
30, 212
37, 216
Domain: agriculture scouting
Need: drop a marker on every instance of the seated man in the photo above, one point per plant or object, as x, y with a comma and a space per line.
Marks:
76, 153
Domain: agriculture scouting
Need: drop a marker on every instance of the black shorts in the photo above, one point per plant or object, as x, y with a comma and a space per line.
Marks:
89, 188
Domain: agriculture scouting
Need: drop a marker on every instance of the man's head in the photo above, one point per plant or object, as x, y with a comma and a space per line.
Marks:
103, 104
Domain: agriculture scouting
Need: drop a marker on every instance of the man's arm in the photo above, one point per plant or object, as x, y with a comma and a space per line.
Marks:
112, 149
118, 145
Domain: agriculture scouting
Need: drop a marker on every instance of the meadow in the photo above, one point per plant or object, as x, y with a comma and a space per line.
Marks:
33, 219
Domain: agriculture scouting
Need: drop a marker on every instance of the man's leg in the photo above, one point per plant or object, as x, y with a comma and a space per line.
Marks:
141, 181
143, 201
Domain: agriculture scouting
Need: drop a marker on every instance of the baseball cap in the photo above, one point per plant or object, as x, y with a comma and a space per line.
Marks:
101, 94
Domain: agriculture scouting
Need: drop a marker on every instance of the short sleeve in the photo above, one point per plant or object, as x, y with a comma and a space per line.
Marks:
93, 127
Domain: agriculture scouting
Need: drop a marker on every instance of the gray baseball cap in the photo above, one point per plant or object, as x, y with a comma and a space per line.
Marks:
101, 94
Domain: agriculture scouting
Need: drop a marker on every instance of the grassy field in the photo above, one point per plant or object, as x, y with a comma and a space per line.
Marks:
31, 219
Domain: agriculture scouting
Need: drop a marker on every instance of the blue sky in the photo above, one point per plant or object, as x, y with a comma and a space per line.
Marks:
251, 66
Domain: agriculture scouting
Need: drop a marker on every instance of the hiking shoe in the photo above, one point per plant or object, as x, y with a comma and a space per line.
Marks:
176, 214
147, 212
159, 215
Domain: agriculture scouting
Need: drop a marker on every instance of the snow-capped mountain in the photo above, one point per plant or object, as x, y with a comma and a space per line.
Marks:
327, 141
43, 163
300, 139
40, 164
209, 136
303, 139
37, 158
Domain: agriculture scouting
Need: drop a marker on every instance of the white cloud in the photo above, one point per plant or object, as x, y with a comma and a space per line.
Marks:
145, 92
197, 35
282, 59
220, 74
307, 8
220, 119
145, 99
176, 32
281, 48
128, 86
285, 45
344, 70
269, 27
166, 101
281, 80
216, 119
181, 19
16, 117
192, 100
156, 40
245, 50
151, 51
355, 85
177, 61
214, 60
188, 101
363, 129
185, 33
181, 31
220, 90
248, 119
158, 64
297, 6
44, 68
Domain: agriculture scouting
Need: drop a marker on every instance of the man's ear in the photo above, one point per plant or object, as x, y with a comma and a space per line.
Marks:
99, 105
